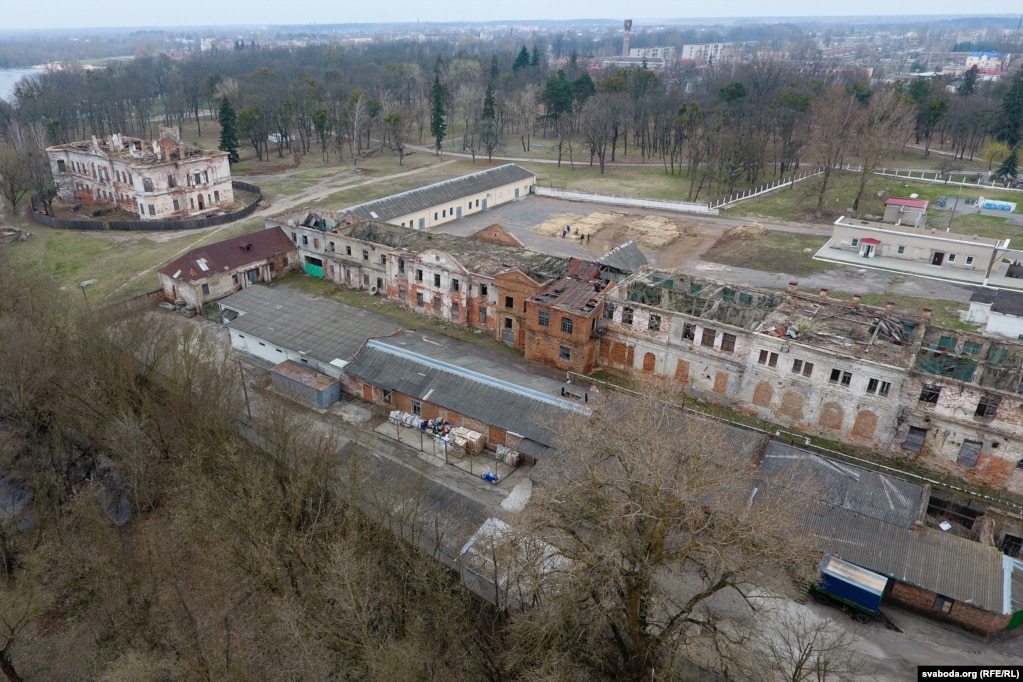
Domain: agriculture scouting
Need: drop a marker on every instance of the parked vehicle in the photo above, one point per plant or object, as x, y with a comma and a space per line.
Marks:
855, 589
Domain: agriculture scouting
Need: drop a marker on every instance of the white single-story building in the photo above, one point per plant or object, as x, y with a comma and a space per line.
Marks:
999, 310
943, 250
449, 200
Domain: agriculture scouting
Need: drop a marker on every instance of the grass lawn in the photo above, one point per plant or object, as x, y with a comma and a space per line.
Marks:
123, 264
644, 181
798, 202
788, 252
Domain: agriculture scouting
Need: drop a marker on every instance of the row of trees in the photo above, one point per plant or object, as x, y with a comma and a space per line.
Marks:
147, 539
719, 128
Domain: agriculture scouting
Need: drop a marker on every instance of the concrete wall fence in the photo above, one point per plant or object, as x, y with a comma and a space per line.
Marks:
685, 206
156, 225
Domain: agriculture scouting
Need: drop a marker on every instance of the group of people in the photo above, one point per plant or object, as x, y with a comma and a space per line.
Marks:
568, 230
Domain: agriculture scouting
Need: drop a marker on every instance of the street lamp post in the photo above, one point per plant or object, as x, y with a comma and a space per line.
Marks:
86, 283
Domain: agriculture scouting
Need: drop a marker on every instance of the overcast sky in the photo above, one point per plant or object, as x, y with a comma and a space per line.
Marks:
35, 14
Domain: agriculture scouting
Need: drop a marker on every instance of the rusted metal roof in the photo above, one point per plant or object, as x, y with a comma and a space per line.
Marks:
908, 203
229, 255
304, 375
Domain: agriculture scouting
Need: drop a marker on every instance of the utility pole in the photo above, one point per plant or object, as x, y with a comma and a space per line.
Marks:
954, 207
245, 390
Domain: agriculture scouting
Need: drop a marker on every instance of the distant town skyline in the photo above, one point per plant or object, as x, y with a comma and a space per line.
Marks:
69, 14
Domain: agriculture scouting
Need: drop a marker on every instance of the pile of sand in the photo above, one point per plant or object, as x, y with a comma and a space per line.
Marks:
747, 232
652, 232
580, 224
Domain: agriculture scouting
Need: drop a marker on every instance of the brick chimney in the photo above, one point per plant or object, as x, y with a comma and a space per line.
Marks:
793, 286
824, 292
856, 299
925, 316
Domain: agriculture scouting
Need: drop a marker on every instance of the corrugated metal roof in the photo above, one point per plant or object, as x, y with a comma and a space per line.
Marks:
498, 401
860, 490
627, 258
228, 255
868, 519
949, 565
423, 198
318, 327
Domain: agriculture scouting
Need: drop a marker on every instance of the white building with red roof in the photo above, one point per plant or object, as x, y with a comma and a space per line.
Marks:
903, 211
217, 270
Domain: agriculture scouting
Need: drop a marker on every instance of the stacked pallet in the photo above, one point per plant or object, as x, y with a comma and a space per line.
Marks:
471, 441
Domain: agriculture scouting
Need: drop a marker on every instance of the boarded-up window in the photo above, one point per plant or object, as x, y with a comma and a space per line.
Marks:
915, 439
969, 453
707, 339
728, 342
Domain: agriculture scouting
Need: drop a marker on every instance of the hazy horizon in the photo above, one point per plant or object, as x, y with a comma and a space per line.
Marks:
71, 14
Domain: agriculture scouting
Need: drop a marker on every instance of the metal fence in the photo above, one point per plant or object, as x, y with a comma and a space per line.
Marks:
155, 225
763, 189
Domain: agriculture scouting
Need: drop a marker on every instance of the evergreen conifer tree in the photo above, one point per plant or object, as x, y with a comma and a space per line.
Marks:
228, 131
438, 126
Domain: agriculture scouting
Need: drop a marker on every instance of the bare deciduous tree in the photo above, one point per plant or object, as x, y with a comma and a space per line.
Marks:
659, 520
884, 126
834, 117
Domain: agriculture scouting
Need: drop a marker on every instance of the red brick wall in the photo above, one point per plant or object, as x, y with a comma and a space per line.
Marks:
763, 394
791, 405
831, 416
864, 426
970, 617
682, 373
520, 288
543, 343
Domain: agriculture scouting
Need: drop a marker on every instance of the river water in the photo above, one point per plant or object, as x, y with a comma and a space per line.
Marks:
10, 77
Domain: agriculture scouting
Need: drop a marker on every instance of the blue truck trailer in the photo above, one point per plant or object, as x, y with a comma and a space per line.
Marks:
856, 589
